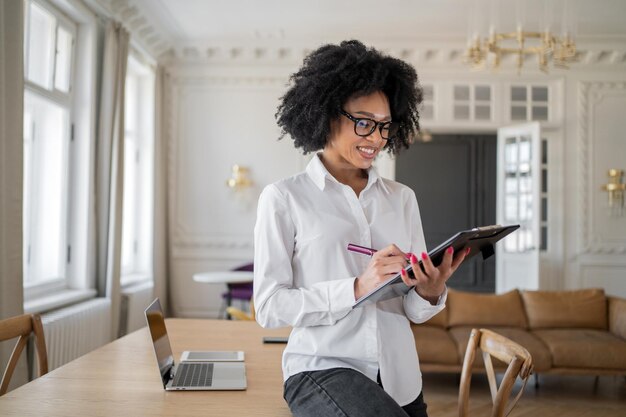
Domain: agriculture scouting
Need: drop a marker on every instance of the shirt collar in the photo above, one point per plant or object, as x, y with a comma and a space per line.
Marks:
318, 174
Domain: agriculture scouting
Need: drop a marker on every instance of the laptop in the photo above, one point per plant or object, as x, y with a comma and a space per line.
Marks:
190, 375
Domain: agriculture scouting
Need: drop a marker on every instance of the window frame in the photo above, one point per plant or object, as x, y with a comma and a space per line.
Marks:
64, 100
472, 102
141, 269
79, 281
529, 104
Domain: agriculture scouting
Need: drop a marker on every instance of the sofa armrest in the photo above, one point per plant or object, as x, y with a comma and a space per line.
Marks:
617, 316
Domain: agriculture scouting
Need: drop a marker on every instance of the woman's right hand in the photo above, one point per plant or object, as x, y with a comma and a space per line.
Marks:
386, 263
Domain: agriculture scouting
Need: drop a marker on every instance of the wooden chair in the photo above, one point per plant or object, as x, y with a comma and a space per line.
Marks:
238, 314
22, 326
514, 355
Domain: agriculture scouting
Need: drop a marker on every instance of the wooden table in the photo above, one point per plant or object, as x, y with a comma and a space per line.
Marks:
121, 379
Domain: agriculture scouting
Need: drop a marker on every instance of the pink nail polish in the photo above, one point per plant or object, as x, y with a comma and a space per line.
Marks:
467, 251
450, 250
424, 255
413, 259
403, 273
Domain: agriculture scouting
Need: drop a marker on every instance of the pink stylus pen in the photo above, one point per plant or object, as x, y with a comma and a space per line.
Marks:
364, 250
361, 249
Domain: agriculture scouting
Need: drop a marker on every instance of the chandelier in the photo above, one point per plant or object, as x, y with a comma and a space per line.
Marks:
487, 50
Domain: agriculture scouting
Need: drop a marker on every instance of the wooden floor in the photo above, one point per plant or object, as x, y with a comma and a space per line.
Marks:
572, 396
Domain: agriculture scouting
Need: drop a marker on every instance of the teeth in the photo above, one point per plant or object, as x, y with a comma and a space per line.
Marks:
369, 151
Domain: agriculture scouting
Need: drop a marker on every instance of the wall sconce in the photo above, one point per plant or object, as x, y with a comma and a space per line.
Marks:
239, 178
615, 187
426, 136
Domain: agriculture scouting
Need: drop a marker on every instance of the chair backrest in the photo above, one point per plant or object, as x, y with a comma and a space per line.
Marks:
22, 326
235, 312
519, 363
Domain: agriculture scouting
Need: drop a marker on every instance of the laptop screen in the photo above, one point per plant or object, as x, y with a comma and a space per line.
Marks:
162, 348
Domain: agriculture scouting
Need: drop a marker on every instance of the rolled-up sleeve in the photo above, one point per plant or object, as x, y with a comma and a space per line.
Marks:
276, 300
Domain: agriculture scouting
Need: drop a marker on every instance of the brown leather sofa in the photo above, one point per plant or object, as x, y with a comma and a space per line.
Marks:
566, 332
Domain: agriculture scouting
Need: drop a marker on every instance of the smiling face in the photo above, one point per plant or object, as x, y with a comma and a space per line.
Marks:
345, 149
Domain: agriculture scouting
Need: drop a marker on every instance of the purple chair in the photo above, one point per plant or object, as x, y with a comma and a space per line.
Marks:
242, 291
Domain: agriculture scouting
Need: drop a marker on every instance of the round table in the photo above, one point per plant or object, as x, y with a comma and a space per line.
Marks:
224, 277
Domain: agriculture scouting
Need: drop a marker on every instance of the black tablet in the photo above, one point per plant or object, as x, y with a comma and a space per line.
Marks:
479, 240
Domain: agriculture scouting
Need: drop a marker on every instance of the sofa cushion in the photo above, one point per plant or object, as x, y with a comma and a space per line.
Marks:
440, 319
617, 316
542, 359
584, 348
482, 310
434, 345
566, 309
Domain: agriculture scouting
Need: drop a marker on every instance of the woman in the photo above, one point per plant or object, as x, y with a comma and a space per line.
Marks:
351, 103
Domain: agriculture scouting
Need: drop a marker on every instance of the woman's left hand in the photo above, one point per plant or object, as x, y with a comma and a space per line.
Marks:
431, 282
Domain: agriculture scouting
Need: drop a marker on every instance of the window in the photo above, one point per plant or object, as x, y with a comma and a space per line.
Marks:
529, 102
518, 192
48, 98
543, 241
427, 110
138, 173
472, 102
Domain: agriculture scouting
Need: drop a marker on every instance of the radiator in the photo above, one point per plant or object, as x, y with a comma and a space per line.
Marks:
73, 331
135, 299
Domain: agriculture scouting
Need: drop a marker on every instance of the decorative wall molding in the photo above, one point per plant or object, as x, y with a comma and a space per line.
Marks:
214, 248
448, 53
214, 242
187, 242
180, 88
182, 82
590, 95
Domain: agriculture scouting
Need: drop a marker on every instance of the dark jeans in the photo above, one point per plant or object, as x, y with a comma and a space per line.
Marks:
344, 392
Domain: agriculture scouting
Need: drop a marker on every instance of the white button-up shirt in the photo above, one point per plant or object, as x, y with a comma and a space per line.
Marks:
304, 276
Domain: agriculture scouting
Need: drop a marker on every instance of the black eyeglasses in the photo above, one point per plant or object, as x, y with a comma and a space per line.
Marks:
364, 127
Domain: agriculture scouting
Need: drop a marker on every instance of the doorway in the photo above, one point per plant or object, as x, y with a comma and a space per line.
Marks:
454, 179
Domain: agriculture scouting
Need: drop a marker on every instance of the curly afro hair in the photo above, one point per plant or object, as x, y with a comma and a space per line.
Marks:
333, 74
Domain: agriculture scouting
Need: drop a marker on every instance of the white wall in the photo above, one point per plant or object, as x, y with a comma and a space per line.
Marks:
595, 130
218, 120
222, 112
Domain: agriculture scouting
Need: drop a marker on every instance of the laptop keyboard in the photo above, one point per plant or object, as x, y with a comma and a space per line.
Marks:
193, 375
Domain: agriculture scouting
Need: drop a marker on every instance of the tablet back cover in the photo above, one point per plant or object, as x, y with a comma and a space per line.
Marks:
479, 240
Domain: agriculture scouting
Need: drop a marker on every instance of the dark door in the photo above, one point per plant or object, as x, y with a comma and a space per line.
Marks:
454, 179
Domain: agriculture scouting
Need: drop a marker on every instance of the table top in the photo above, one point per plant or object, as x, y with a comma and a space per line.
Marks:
224, 277
122, 377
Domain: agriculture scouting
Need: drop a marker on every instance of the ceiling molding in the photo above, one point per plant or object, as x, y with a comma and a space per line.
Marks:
434, 56
142, 30
426, 51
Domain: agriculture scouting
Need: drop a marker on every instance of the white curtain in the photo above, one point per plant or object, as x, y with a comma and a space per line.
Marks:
160, 251
11, 175
110, 168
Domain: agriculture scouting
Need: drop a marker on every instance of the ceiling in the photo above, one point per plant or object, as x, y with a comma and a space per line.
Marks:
188, 21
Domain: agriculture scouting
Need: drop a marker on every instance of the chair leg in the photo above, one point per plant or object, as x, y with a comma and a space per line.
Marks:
222, 313
536, 381
229, 302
